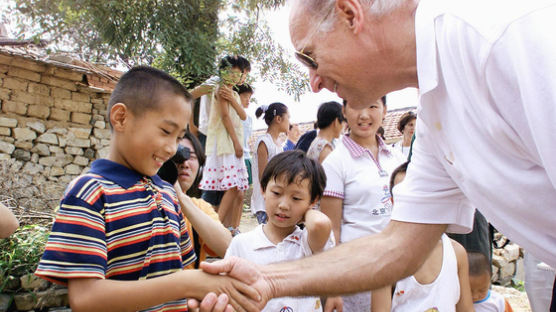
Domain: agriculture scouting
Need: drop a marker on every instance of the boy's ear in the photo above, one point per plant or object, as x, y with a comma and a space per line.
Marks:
119, 114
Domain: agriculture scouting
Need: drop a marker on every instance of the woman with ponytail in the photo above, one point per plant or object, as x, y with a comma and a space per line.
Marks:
277, 117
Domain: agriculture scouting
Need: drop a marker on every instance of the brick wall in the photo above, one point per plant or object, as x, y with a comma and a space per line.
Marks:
52, 121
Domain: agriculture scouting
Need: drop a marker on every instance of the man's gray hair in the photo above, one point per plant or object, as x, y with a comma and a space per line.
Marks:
324, 9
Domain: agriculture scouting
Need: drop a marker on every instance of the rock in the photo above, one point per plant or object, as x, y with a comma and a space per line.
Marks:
81, 161
8, 122
495, 271
41, 149
80, 133
89, 153
5, 131
56, 150
73, 169
61, 131
35, 158
47, 161
22, 155
49, 138
499, 261
37, 126
74, 150
511, 252
57, 171
5, 302
32, 169
26, 145
100, 124
32, 282
76, 142
507, 271
12, 283
51, 297
6, 148
4, 156
103, 152
24, 134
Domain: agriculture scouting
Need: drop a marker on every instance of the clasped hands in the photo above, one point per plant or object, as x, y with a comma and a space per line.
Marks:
244, 271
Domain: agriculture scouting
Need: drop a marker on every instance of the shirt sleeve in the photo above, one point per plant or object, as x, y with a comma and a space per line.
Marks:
428, 194
76, 247
334, 176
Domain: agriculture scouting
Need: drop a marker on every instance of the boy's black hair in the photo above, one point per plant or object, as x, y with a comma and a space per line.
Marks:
243, 88
328, 112
383, 99
295, 165
478, 263
271, 111
401, 169
140, 89
231, 61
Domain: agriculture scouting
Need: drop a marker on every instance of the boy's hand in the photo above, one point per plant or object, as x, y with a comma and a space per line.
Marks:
334, 304
238, 149
241, 296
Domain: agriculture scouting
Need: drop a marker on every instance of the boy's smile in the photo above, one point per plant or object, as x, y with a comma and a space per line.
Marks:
144, 141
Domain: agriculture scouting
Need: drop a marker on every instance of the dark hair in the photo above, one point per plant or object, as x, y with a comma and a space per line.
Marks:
405, 119
380, 132
230, 61
243, 88
194, 191
140, 89
478, 263
401, 169
383, 99
271, 111
327, 113
296, 167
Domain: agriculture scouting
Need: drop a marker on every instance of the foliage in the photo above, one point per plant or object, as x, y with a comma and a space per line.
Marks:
20, 254
183, 37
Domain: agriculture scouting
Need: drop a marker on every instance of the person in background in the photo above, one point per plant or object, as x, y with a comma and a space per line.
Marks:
330, 122
205, 90
539, 278
8, 222
306, 139
406, 125
245, 92
357, 197
210, 238
277, 118
480, 273
225, 169
293, 136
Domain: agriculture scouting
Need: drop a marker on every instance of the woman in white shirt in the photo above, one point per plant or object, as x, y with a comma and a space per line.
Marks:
357, 198
330, 122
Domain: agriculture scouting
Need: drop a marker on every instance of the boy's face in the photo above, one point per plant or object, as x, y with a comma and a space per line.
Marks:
244, 76
145, 141
245, 98
231, 75
287, 203
479, 286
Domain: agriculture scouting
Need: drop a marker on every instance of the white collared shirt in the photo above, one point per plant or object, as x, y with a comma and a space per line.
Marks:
256, 247
487, 120
352, 175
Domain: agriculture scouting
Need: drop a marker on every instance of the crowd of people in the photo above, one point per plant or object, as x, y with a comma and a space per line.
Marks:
346, 221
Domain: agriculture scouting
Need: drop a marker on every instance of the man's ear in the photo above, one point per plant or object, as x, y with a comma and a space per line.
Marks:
119, 115
351, 13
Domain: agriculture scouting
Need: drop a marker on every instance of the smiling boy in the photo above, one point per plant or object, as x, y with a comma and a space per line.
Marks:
119, 241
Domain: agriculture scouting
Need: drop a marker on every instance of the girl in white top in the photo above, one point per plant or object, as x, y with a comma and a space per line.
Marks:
406, 126
277, 117
330, 122
441, 284
357, 196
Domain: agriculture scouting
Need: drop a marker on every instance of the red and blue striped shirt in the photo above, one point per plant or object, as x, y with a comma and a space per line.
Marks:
114, 223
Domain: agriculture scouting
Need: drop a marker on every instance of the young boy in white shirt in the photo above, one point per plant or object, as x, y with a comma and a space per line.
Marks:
480, 273
291, 184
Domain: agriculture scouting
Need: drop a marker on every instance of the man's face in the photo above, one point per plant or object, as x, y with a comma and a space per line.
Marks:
343, 65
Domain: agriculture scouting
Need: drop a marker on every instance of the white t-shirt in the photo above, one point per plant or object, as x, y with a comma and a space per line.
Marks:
494, 302
404, 150
257, 200
443, 293
487, 120
351, 174
256, 247
247, 130
206, 103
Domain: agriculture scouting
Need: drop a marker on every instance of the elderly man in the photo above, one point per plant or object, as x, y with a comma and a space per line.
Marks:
486, 135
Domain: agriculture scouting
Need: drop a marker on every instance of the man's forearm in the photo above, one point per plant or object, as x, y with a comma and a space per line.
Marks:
364, 264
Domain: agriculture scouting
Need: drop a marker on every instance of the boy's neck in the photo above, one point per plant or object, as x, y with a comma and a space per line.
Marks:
277, 234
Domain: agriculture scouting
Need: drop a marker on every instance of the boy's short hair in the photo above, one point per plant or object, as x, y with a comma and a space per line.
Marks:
401, 169
231, 61
478, 263
294, 165
139, 89
243, 88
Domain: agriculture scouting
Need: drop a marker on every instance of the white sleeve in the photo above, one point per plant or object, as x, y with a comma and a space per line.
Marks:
428, 194
334, 176
305, 243
234, 248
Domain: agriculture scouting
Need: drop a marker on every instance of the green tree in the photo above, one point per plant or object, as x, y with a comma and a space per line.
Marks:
183, 37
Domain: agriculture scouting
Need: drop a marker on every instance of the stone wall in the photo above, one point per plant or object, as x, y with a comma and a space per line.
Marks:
52, 123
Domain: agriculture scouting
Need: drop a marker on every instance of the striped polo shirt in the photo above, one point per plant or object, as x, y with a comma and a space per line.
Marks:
115, 223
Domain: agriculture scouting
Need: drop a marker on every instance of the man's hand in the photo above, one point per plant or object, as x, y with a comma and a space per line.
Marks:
242, 270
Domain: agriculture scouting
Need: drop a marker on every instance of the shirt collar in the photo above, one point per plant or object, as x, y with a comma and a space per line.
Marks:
261, 241
120, 174
357, 150
425, 36
484, 299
